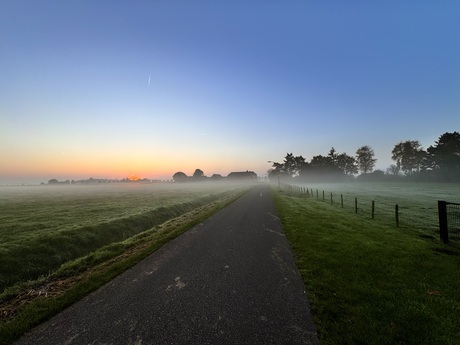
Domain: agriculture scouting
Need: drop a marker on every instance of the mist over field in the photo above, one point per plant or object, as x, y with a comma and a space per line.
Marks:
45, 227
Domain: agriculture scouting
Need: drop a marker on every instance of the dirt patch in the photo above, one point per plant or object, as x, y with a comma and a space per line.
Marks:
49, 288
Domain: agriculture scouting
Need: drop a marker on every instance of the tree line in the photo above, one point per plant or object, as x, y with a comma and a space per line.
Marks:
439, 162
198, 175
99, 181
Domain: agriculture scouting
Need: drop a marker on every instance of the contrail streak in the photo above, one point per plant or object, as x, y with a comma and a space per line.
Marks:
150, 76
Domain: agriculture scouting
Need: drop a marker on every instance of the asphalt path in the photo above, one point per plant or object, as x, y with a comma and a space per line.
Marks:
228, 280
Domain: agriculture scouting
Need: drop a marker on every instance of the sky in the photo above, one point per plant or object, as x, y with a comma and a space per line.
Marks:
110, 89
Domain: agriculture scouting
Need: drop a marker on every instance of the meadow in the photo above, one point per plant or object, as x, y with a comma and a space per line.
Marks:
417, 202
59, 243
44, 227
368, 281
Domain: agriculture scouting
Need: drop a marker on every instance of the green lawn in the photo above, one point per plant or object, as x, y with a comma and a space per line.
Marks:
371, 283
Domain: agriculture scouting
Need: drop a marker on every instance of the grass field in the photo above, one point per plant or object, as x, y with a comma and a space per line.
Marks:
370, 282
105, 242
417, 202
43, 227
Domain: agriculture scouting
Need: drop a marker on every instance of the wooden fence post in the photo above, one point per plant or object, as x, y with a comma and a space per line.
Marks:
373, 209
331, 198
341, 199
317, 194
356, 205
323, 194
442, 213
397, 215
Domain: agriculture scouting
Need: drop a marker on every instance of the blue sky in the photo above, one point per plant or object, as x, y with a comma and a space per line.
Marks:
114, 88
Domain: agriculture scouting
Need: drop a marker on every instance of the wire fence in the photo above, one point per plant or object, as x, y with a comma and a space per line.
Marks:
453, 220
449, 220
404, 212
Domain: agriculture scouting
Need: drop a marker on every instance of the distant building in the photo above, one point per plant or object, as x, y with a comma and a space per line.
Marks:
242, 175
216, 177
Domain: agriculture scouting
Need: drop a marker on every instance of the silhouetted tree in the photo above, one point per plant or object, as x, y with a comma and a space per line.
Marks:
322, 162
180, 177
321, 168
408, 156
393, 169
332, 154
365, 159
53, 181
444, 157
198, 174
291, 167
276, 172
346, 163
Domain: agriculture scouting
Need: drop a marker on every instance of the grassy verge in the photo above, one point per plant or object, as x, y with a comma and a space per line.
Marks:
28, 305
369, 283
418, 202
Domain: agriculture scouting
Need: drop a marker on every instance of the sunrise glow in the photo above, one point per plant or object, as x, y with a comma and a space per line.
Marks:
219, 88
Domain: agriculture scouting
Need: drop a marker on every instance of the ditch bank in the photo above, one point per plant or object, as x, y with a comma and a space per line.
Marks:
29, 259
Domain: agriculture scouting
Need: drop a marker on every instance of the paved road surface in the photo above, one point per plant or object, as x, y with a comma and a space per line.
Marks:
229, 280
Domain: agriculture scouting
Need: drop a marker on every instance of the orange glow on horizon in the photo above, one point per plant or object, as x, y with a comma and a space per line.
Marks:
161, 166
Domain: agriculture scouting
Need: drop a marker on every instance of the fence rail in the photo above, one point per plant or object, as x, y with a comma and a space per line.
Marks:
449, 220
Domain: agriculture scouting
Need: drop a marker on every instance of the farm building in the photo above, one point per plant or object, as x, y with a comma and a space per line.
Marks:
242, 175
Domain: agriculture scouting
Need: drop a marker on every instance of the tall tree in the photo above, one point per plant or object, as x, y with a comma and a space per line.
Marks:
293, 164
346, 163
408, 156
179, 176
198, 173
278, 168
393, 169
365, 159
322, 168
321, 161
332, 154
445, 156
